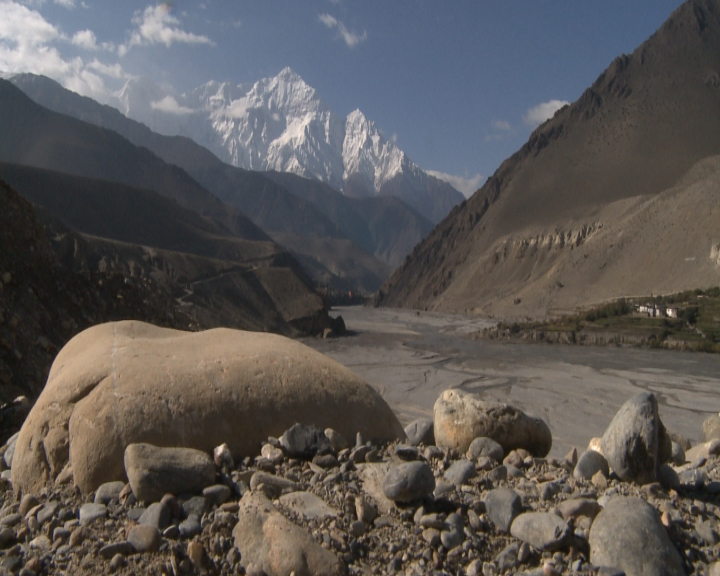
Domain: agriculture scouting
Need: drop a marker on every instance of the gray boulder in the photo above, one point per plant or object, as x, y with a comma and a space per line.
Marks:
154, 471
483, 446
307, 505
267, 539
541, 530
420, 431
408, 482
636, 443
503, 505
629, 535
460, 417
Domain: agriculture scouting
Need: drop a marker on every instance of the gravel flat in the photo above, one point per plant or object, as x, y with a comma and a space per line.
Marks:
410, 357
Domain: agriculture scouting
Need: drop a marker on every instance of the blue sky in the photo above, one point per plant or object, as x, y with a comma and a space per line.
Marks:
459, 85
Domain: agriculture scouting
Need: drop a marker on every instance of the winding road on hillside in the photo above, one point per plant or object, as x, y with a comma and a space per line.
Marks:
410, 357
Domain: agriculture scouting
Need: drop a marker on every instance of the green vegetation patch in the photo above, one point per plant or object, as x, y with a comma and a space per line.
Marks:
688, 320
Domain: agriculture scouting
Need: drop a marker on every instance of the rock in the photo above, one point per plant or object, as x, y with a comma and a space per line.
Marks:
710, 428
577, 507
460, 472
406, 452
420, 431
217, 494
78, 536
196, 553
7, 537
190, 527
635, 443
541, 530
47, 512
91, 512
154, 471
28, 502
109, 550
157, 515
308, 505
678, 454
596, 445
144, 538
337, 442
503, 505
483, 446
270, 452
275, 484
197, 505
629, 535
223, 457
129, 382
108, 491
409, 481
364, 510
589, 464
304, 441
704, 530
451, 539
460, 417
668, 478
704, 450
267, 539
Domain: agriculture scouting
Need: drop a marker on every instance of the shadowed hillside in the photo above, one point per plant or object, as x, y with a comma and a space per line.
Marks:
357, 241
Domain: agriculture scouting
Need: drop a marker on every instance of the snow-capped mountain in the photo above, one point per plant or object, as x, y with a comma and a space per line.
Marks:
282, 124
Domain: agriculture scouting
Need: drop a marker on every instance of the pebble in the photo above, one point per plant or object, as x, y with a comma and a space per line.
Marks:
156, 515
91, 512
109, 491
144, 538
589, 464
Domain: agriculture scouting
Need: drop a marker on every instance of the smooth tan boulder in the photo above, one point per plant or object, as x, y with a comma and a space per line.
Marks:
459, 417
127, 382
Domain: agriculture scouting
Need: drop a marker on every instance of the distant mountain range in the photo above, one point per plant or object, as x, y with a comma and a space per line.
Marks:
616, 195
348, 243
282, 124
131, 212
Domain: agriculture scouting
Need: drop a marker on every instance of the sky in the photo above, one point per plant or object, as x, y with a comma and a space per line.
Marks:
458, 85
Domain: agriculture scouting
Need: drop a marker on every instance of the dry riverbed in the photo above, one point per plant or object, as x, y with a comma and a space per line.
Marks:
410, 357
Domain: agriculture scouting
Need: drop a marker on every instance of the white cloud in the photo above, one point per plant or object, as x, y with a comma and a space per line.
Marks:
170, 106
27, 44
351, 39
157, 26
502, 125
69, 4
466, 186
110, 70
542, 112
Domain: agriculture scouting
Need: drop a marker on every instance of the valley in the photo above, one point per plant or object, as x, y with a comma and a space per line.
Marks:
412, 356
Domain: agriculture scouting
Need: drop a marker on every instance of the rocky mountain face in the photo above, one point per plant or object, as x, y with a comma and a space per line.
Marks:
282, 124
614, 196
344, 242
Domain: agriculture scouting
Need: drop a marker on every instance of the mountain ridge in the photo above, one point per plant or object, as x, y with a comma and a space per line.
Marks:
646, 121
281, 124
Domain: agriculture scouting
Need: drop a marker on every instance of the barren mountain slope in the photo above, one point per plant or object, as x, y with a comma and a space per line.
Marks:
645, 122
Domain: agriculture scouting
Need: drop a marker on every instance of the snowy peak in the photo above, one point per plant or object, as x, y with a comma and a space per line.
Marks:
282, 124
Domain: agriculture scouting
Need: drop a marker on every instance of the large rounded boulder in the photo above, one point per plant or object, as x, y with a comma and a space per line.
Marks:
460, 417
128, 382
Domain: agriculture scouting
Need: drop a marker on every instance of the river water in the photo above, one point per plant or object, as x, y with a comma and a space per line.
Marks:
410, 357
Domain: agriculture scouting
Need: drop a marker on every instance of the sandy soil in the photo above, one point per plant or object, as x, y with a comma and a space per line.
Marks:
411, 357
